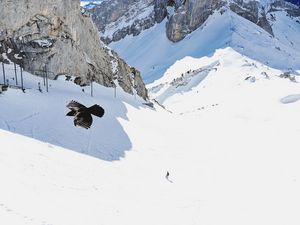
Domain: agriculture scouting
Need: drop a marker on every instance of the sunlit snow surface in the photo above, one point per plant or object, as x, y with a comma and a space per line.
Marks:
234, 161
230, 144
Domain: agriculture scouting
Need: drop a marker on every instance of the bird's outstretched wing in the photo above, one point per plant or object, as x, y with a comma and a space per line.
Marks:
83, 119
73, 105
96, 110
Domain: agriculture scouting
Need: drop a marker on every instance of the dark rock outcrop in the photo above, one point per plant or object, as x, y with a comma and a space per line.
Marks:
191, 15
252, 11
160, 10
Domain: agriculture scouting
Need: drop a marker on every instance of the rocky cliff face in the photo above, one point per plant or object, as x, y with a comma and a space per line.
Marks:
117, 18
58, 36
126, 17
189, 16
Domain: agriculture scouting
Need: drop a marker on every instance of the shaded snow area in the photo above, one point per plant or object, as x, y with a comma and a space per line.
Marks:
41, 115
152, 53
231, 148
290, 99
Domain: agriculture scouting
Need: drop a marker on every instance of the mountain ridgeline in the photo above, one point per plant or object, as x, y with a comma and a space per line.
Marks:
116, 19
59, 37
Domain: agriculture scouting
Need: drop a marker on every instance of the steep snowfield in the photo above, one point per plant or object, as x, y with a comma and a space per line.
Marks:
281, 52
152, 53
235, 161
286, 30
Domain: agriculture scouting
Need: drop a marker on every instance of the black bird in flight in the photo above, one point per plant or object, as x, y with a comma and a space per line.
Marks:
83, 115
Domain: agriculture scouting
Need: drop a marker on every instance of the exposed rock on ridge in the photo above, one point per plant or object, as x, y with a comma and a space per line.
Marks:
252, 11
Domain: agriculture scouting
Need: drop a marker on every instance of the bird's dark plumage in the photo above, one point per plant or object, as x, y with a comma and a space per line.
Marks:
83, 115
71, 113
96, 110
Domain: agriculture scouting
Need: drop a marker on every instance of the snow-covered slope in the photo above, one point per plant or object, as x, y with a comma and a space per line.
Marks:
235, 161
228, 138
42, 115
192, 85
152, 53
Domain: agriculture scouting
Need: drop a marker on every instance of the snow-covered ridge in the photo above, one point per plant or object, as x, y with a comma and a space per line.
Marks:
191, 84
219, 31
